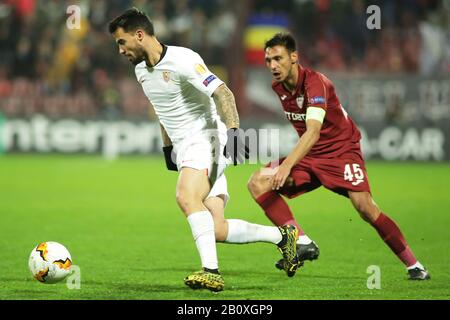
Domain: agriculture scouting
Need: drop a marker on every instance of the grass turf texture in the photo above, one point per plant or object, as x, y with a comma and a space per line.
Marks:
123, 228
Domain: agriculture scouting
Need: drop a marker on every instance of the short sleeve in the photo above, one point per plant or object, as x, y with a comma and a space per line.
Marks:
197, 73
316, 91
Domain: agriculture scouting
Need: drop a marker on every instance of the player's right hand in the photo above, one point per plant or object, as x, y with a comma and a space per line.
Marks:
170, 164
280, 177
236, 149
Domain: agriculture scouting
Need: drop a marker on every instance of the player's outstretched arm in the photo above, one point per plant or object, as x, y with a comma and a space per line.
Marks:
301, 149
226, 108
305, 143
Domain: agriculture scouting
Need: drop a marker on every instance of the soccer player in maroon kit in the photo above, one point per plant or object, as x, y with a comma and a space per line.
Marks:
327, 154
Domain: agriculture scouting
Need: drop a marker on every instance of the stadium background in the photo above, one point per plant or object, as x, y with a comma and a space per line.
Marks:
66, 94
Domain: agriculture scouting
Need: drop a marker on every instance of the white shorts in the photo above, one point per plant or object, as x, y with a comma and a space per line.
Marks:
205, 151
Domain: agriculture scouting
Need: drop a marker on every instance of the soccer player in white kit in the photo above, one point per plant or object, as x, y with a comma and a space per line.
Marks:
199, 125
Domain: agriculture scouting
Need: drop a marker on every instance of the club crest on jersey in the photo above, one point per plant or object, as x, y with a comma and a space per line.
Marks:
166, 76
300, 100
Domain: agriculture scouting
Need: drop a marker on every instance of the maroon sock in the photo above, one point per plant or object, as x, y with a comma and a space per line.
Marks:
391, 234
277, 210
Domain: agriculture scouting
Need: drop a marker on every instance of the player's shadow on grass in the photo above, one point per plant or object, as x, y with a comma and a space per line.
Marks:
173, 287
139, 287
276, 275
247, 272
186, 270
335, 277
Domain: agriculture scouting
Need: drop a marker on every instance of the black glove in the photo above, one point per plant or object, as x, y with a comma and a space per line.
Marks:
235, 147
172, 166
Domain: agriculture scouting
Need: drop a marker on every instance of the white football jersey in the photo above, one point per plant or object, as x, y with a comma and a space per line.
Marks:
180, 88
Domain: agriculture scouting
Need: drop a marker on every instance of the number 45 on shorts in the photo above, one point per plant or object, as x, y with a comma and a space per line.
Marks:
353, 173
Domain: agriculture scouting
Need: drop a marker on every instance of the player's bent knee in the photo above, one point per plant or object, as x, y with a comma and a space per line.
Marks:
188, 202
364, 217
366, 207
183, 203
258, 185
251, 184
367, 210
362, 208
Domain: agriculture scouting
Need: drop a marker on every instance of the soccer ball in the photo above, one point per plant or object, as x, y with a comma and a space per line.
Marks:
50, 262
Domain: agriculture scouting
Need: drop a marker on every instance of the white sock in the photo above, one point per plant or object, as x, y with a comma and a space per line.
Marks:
202, 226
304, 239
240, 231
416, 265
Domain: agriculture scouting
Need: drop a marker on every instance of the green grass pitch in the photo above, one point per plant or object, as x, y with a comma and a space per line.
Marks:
123, 228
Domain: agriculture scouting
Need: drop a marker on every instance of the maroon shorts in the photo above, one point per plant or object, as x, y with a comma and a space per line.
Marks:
340, 175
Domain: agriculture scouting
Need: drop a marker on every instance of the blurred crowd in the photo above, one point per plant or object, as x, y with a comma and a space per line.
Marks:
48, 68
414, 35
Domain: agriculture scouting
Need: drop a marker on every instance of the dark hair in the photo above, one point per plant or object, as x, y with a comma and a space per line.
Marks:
131, 20
281, 39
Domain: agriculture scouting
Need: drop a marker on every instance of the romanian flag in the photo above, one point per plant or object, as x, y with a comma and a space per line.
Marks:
261, 28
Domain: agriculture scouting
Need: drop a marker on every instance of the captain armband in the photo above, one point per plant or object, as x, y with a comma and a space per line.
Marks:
315, 113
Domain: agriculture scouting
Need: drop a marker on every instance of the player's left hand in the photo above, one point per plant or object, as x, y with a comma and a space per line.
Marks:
281, 174
169, 156
236, 147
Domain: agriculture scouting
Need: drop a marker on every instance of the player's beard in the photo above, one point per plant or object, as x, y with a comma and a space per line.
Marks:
140, 55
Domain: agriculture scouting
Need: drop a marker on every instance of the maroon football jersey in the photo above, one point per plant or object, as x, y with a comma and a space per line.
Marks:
339, 133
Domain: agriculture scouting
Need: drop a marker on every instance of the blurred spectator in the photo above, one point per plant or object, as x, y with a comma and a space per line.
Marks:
434, 44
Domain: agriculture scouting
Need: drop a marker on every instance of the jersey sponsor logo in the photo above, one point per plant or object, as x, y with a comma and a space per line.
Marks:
316, 100
283, 97
208, 80
300, 100
292, 116
200, 69
166, 76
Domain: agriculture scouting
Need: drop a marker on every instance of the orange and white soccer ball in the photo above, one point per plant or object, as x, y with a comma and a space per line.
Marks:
50, 262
